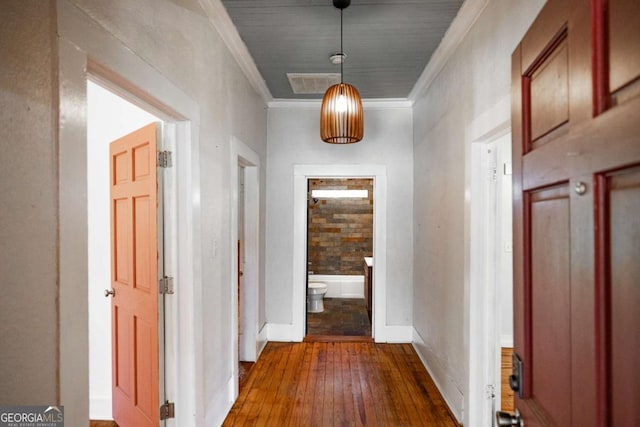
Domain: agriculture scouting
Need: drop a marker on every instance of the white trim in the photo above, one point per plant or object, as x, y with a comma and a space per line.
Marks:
220, 20
301, 173
493, 123
396, 334
462, 23
481, 263
445, 392
367, 104
221, 404
242, 155
101, 407
84, 45
481, 328
506, 341
262, 339
281, 332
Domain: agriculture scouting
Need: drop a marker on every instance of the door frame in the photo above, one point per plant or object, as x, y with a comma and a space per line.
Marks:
103, 404
302, 173
481, 325
250, 347
82, 49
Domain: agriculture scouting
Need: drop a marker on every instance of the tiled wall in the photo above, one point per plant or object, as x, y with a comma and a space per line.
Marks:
340, 230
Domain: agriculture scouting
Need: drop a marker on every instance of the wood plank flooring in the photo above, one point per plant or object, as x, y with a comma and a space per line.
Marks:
102, 423
339, 384
508, 403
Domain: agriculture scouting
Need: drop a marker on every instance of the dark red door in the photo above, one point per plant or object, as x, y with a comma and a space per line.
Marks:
576, 157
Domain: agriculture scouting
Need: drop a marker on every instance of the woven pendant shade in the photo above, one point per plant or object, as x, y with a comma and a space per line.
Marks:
341, 116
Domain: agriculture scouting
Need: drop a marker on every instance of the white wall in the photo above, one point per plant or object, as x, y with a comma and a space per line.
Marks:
178, 41
108, 117
43, 312
294, 139
475, 77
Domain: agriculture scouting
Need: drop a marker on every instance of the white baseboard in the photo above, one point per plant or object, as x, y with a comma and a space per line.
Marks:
448, 390
280, 332
100, 408
221, 404
392, 334
262, 340
395, 334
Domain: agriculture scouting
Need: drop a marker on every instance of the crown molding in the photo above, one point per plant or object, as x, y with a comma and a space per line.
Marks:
367, 104
460, 26
221, 21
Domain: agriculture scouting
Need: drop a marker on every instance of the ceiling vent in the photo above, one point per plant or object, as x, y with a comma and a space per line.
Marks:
312, 83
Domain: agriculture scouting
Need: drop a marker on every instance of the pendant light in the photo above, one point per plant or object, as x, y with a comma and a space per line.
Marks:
341, 116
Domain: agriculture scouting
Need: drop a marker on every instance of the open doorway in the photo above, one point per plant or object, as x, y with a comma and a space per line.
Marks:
109, 117
491, 318
245, 265
339, 257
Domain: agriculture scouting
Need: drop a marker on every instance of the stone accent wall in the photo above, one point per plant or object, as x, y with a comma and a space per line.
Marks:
340, 230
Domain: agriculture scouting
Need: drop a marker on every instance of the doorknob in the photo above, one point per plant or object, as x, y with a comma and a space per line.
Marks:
581, 188
109, 292
506, 419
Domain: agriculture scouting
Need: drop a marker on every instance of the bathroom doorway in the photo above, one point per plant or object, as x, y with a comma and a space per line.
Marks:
339, 257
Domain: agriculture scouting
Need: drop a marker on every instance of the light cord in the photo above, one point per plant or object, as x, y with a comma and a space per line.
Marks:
341, 49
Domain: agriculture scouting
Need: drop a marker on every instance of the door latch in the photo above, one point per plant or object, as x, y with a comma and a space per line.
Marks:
516, 379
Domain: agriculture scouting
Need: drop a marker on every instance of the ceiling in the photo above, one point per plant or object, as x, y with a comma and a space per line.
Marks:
387, 42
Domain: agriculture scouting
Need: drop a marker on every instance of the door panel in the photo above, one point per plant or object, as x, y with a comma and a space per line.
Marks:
576, 156
122, 351
134, 278
550, 295
624, 27
549, 93
144, 233
121, 232
624, 234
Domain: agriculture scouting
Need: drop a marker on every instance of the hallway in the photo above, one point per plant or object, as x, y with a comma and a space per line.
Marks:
328, 384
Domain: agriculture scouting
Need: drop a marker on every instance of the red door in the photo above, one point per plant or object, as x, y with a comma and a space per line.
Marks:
576, 157
134, 272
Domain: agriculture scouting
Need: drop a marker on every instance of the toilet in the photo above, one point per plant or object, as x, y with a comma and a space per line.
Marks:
315, 294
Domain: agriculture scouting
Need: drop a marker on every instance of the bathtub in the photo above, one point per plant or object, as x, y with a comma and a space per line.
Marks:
341, 286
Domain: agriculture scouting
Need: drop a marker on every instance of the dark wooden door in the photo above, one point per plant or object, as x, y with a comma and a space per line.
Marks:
576, 157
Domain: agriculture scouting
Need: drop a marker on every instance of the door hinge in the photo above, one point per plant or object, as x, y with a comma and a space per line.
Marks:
165, 159
167, 410
166, 285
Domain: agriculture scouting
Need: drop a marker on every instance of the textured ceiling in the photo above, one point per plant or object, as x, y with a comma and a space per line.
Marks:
387, 42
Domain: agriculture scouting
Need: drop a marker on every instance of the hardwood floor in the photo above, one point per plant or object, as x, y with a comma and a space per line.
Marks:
339, 383
101, 423
507, 399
